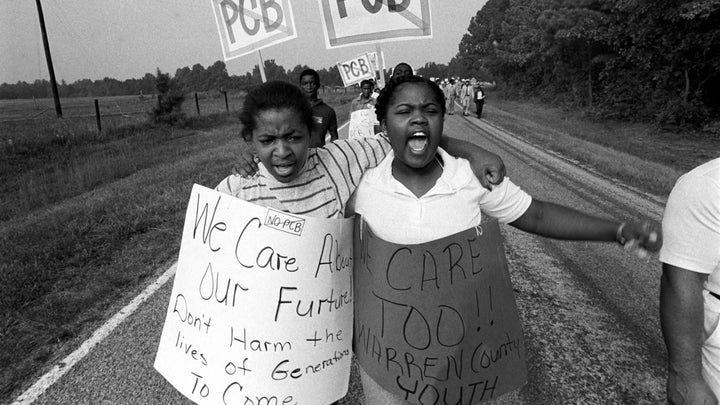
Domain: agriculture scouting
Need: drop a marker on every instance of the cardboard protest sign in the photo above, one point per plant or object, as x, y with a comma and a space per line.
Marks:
438, 320
261, 306
356, 69
358, 22
362, 123
245, 27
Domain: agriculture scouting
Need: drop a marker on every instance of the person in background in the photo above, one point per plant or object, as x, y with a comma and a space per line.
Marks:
450, 93
479, 99
467, 95
324, 118
435, 196
690, 286
365, 99
402, 69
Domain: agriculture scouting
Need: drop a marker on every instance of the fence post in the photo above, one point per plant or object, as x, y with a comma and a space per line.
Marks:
97, 116
197, 104
227, 108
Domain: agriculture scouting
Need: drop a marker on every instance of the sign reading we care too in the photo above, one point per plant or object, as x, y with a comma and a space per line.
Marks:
261, 306
438, 321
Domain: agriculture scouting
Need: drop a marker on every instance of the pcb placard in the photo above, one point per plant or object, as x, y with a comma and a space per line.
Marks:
364, 22
438, 319
356, 69
245, 27
261, 306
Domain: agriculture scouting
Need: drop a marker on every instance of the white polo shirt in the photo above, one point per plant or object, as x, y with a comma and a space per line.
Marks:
691, 223
452, 205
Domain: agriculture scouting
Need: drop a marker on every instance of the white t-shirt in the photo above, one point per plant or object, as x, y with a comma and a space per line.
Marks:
452, 205
691, 223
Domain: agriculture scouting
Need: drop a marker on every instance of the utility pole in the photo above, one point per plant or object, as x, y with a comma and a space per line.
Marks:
53, 82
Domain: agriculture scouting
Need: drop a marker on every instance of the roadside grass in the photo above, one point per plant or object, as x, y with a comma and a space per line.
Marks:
639, 155
65, 160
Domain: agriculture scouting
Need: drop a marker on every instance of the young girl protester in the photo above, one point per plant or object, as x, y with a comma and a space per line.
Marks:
315, 182
276, 122
434, 195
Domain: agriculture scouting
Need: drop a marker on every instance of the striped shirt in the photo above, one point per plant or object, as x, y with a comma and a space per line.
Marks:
330, 176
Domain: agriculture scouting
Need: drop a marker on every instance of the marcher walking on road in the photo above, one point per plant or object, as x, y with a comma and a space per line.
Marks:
690, 286
479, 100
324, 118
467, 95
421, 186
365, 99
450, 93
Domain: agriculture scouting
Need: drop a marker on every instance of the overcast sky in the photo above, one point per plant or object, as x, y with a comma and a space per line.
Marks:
128, 38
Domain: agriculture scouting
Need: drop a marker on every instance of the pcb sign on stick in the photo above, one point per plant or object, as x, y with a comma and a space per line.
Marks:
356, 69
371, 21
248, 26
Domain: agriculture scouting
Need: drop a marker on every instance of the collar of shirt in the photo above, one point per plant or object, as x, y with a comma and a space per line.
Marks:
272, 182
451, 180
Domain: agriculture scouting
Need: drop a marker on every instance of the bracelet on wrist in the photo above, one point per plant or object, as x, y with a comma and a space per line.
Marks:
619, 236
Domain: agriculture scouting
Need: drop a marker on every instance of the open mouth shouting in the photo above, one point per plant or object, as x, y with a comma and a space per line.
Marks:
418, 142
284, 169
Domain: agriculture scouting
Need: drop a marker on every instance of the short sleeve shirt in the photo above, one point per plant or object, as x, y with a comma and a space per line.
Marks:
324, 119
691, 223
452, 205
322, 189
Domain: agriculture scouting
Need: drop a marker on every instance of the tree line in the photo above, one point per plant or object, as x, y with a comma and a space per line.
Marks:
192, 79
639, 60
196, 79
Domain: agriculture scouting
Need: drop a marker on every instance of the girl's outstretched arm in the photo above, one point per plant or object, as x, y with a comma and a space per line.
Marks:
560, 222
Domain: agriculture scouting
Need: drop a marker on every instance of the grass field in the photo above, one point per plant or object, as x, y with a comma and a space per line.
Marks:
87, 219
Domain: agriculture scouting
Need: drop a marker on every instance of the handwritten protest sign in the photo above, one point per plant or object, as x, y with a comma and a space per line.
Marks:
245, 27
362, 123
356, 69
368, 21
261, 306
438, 320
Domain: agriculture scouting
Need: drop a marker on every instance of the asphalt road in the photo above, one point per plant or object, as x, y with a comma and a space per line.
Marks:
589, 310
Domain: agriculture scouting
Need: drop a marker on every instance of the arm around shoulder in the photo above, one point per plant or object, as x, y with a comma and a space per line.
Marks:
488, 167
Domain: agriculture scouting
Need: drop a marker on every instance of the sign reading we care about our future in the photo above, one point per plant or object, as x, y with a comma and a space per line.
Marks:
247, 26
437, 322
261, 306
371, 21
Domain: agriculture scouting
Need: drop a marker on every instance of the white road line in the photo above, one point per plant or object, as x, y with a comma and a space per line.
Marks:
47, 380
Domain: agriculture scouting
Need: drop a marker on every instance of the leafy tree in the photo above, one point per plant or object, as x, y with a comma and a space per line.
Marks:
294, 74
619, 57
169, 101
217, 75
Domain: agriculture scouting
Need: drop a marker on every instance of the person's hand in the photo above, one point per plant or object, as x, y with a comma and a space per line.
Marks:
641, 237
247, 165
681, 391
489, 169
